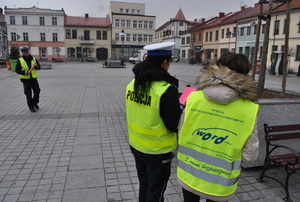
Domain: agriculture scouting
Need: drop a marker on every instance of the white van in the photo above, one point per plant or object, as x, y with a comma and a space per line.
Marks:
136, 58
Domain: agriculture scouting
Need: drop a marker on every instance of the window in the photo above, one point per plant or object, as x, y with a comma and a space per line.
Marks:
150, 24
121, 10
284, 26
74, 34
25, 36
181, 24
274, 48
132, 11
128, 23
12, 20
127, 10
150, 38
255, 29
145, 37
24, 20
128, 37
122, 23
223, 33
98, 34
188, 40
13, 36
182, 41
68, 34
54, 36
206, 36
210, 36
140, 38
42, 21
234, 32
217, 35
71, 52
43, 37
298, 53
263, 29
117, 38
242, 31
86, 34
183, 54
54, 20
86, 52
140, 24
117, 23
276, 27
199, 37
104, 35
248, 30
138, 11
134, 37
134, 24
145, 24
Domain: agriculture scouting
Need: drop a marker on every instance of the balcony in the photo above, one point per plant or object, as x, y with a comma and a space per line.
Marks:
87, 42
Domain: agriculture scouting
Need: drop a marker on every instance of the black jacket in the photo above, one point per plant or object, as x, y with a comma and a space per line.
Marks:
170, 110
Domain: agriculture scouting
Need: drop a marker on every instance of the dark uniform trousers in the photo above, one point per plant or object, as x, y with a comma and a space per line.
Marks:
153, 173
29, 86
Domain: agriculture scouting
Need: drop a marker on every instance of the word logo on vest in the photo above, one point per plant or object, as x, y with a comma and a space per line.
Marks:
139, 98
208, 134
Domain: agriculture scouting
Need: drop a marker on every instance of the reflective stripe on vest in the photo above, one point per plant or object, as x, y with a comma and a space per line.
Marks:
210, 146
26, 68
146, 129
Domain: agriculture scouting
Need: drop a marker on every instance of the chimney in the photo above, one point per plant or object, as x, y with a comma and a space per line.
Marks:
221, 14
86, 15
195, 20
202, 20
243, 8
1, 11
257, 5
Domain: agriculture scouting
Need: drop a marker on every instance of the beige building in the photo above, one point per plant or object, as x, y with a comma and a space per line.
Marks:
131, 28
87, 38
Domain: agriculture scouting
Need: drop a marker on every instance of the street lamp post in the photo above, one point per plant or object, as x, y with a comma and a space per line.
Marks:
80, 39
229, 35
122, 38
4, 36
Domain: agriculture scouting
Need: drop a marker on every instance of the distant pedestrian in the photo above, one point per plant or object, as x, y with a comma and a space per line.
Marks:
218, 131
153, 112
144, 57
26, 67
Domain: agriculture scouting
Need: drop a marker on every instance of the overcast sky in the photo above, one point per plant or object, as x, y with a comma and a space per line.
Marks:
162, 9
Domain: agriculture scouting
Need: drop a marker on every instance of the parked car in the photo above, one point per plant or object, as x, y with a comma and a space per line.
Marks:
175, 58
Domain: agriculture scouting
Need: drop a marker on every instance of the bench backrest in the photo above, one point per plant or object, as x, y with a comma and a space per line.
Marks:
282, 132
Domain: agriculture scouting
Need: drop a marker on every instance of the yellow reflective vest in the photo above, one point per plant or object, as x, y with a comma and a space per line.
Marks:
146, 129
211, 141
26, 68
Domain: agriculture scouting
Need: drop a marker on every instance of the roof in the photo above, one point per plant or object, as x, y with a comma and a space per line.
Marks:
294, 5
180, 16
87, 21
218, 20
238, 15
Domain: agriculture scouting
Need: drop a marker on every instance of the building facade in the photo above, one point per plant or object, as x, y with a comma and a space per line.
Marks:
131, 28
3, 37
40, 29
87, 38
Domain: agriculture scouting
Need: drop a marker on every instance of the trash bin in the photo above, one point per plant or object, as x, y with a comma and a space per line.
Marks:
8, 65
13, 64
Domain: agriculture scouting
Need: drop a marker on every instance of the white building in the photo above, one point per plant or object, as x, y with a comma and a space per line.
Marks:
40, 29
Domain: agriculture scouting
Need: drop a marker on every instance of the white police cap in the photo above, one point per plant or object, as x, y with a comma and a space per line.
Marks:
159, 49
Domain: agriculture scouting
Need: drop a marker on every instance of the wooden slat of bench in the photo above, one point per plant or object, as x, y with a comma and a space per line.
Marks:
270, 129
295, 167
282, 136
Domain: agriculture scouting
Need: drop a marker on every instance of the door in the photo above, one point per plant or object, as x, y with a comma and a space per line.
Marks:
43, 53
102, 53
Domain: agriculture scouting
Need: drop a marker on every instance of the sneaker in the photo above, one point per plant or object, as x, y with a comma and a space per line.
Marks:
36, 106
33, 110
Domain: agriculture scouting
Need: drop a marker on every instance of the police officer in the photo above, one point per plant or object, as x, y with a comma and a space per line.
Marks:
153, 112
26, 67
218, 131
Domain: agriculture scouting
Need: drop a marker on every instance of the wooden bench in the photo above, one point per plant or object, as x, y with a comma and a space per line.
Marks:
279, 154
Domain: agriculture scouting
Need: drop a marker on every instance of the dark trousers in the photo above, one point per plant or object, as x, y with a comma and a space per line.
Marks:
191, 197
31, 85
153, 173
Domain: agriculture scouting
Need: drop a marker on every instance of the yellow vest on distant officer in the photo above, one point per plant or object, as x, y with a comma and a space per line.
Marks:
211, 141
26, 68
146, 129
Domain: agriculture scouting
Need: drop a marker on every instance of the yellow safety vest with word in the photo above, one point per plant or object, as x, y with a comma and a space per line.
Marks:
211, 141
146, 129
26, 68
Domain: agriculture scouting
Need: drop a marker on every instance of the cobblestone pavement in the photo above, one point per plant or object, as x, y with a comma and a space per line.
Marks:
75, 148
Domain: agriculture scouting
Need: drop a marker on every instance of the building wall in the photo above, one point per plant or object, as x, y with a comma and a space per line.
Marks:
43, 50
